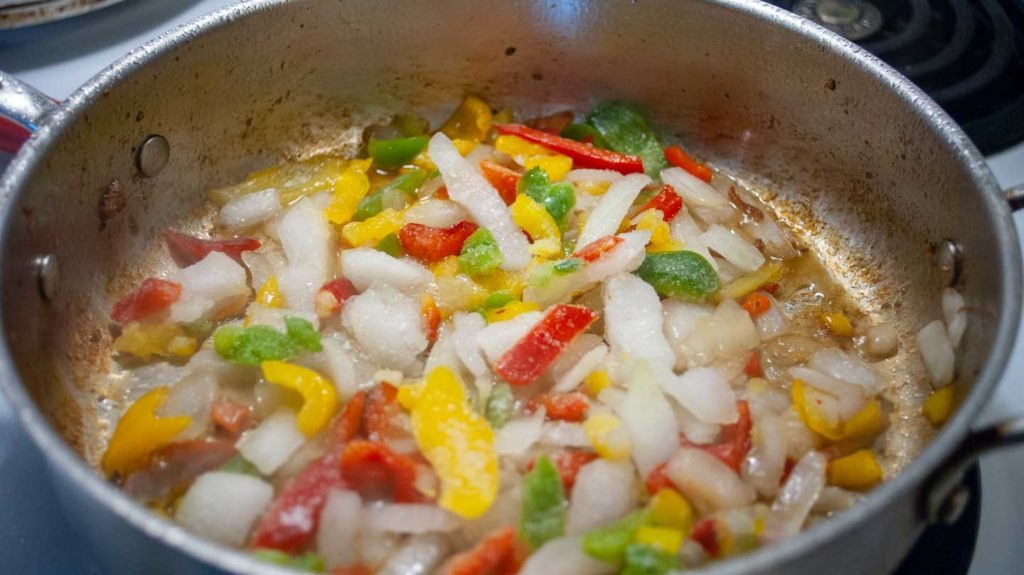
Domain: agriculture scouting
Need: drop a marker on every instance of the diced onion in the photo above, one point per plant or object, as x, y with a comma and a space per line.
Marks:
707, 482
604, 492
469, 188
626, 257
590, 361
250, 209
766, 460
633, 322
648, 418
773, 322
409, 518
693, 190
272, 442
338, 364
394, 343
705, 393
846, 367
604, 220
850, 397
308, 243
519, 434
801, 490
206, 285
436, 213
338, 534
564, 556
192, 397
363, 266
467, 326
733, 248
955, 313
937, 353
685, 230
563, 434
419, 556
223, 506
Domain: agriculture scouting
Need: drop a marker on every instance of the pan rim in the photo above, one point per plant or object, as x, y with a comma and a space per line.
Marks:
65, 461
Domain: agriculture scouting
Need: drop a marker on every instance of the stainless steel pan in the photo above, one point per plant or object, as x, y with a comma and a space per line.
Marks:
873, 174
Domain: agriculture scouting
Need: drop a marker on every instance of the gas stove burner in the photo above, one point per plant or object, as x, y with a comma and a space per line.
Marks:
851, 19
968, 55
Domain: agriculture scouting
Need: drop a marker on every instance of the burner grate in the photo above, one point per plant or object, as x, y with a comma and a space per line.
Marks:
968, 55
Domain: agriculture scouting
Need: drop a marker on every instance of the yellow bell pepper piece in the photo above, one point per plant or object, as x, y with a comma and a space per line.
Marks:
556, 166
520, 148
470, 121
456, 440
938, 406
459, 293
372, 230
140, 432
608, 436
319, 398
446, 268
837, 323
510, 310
292, 180
349, 189
858, 471
500, 280
144, 340
532, 217
670, 509
269, 294
596, 382
668, 540
866, 423
652, 221
593, 188
745, 285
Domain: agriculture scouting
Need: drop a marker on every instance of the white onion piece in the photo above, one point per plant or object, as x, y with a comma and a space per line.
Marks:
469, 188
589, 175
563, 434
337, 536
206, 284
337, 363
497, 338
834, 500
387, 325
364, 266
733, 248
467, 326
728, 333
436, 213
299, 283
707, 482
604, 492
685, 230
443, 351
479, 153
626, 257
681, 318
801, 490
308, 242
191, 397
223, 506
705, 393
519, 434
955, 312
693, 190
850, 397
695, 430
564, 556
269, 445
846, 367
767, 458
604, 220
880, 341
590, 362
409, 518
775, 241
633, 322
773, 322
250, 209
648, 418
417, 557
937, 353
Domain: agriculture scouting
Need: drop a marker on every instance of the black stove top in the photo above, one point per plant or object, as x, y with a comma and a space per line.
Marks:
968, 55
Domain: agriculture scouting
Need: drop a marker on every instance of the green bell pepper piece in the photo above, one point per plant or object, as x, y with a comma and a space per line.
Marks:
310, 562
497, 299
608, 543
391, 245
480, 254
625, 130
543, 516
397, 152
681, 274
255, 344
303, 333
643, 559
557, 199
373, 204
499, 405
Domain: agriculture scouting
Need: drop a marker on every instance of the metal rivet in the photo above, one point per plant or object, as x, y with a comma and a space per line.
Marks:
949, 258
48, 275
154, 153
954, 505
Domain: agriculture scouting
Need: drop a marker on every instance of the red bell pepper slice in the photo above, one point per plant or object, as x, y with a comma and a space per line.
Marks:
756, 304
568, 464
230, 416
496, 554
733, 441
596, 249
563, 406
382, 415
667, 202
583, 155
431, 316
705, 534
349, 423
330, 298
377, 472
753, 367
680, 159
531, 355
657, 480
504, 180
430, 245
153, 296
187, 250
292, 519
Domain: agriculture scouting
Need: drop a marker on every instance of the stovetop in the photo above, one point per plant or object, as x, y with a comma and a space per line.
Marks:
966, 53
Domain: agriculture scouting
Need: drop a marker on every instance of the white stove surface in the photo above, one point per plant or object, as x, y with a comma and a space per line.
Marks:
60, 57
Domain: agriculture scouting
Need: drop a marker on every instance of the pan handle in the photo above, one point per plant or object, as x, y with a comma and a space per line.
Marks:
945, 496
21, 109
1015, 196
